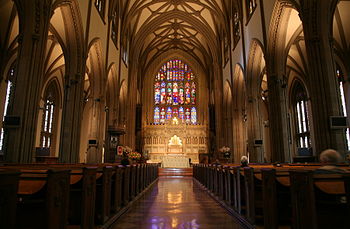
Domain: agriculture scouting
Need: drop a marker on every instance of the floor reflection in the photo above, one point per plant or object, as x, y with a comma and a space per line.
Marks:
176, 203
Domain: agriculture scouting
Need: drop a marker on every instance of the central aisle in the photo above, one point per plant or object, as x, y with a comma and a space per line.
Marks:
176, 202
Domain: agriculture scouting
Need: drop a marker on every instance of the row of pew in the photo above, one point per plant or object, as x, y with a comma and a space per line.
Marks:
283, 196
60, 196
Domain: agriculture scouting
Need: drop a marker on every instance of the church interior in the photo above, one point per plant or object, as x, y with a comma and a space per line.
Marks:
139, 93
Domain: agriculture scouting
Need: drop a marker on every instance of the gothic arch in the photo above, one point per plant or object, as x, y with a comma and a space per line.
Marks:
53, 89
239, 114
228, 115
256, 107
111, 95
93, 121
71, 34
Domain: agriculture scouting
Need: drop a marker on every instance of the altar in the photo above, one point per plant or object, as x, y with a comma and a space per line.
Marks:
175, 157
178, 161
175, 145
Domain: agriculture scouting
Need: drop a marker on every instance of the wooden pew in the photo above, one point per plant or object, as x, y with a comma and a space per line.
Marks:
276, 197
82, 197
116, 199
126, 185
103, 194
43, 199
320, 200
8, 197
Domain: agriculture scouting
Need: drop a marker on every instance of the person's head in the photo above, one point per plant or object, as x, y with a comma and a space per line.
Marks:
330, 156
348, 157
244, 161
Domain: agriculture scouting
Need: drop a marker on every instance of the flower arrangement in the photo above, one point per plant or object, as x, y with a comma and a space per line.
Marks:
134, 155
224, 149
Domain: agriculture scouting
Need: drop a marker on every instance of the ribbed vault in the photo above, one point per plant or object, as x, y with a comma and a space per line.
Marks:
159, 26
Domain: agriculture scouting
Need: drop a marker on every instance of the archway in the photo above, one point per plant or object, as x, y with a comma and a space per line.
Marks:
239, 115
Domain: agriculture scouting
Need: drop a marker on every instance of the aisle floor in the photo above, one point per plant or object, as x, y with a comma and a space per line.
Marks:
176, 202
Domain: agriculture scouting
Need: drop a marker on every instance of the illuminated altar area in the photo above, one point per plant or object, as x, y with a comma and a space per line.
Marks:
173, 145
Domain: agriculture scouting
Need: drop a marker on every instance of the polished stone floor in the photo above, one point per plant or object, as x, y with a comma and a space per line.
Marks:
176, 202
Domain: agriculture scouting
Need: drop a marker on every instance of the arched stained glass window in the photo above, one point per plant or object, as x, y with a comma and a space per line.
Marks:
175, 112
188, 115
8, 101
169, 113
300, 104
175, 93
156, 115
162, 115
188, 93
49, 121
181, 114
193, 93
193, 115
157, 93
342, 82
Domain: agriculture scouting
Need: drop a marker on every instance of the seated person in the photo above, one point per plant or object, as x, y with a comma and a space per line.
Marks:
244, 161
331, 158
217, 162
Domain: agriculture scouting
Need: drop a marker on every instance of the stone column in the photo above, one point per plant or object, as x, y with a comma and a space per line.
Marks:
71, 118
253, 129
279, 131
324, 92
34, 16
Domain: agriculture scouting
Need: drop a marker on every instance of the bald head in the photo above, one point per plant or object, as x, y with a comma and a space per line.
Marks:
330, 156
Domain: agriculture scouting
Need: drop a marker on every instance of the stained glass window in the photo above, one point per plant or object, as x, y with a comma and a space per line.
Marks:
8, 102
301, 116
175, 93
250, 8
115, 26
162, 115
157, 93
175, 112
188, 115
236, 28
193, 115
100, 6
181, 114
156, 115
169, 113
342, 85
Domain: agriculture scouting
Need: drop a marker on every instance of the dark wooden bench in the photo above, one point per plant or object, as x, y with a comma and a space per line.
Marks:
320, 200
43, 199
8, 197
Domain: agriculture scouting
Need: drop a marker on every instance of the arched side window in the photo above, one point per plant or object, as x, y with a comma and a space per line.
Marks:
8, 99
175, 93
115, 25
236, 27
100, 6
342, 82
301, 114
49, 121
250, 8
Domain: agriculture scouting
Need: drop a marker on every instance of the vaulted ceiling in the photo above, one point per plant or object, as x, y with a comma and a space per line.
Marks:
159, 26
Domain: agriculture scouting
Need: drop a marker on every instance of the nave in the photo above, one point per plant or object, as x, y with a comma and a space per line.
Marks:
176, 202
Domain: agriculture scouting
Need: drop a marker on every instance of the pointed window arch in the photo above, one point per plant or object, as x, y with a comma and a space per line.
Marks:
250, 8
236, 27
301, 116
8, 101
115, 25
342, 83
101, 6
49, 120
175, 92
